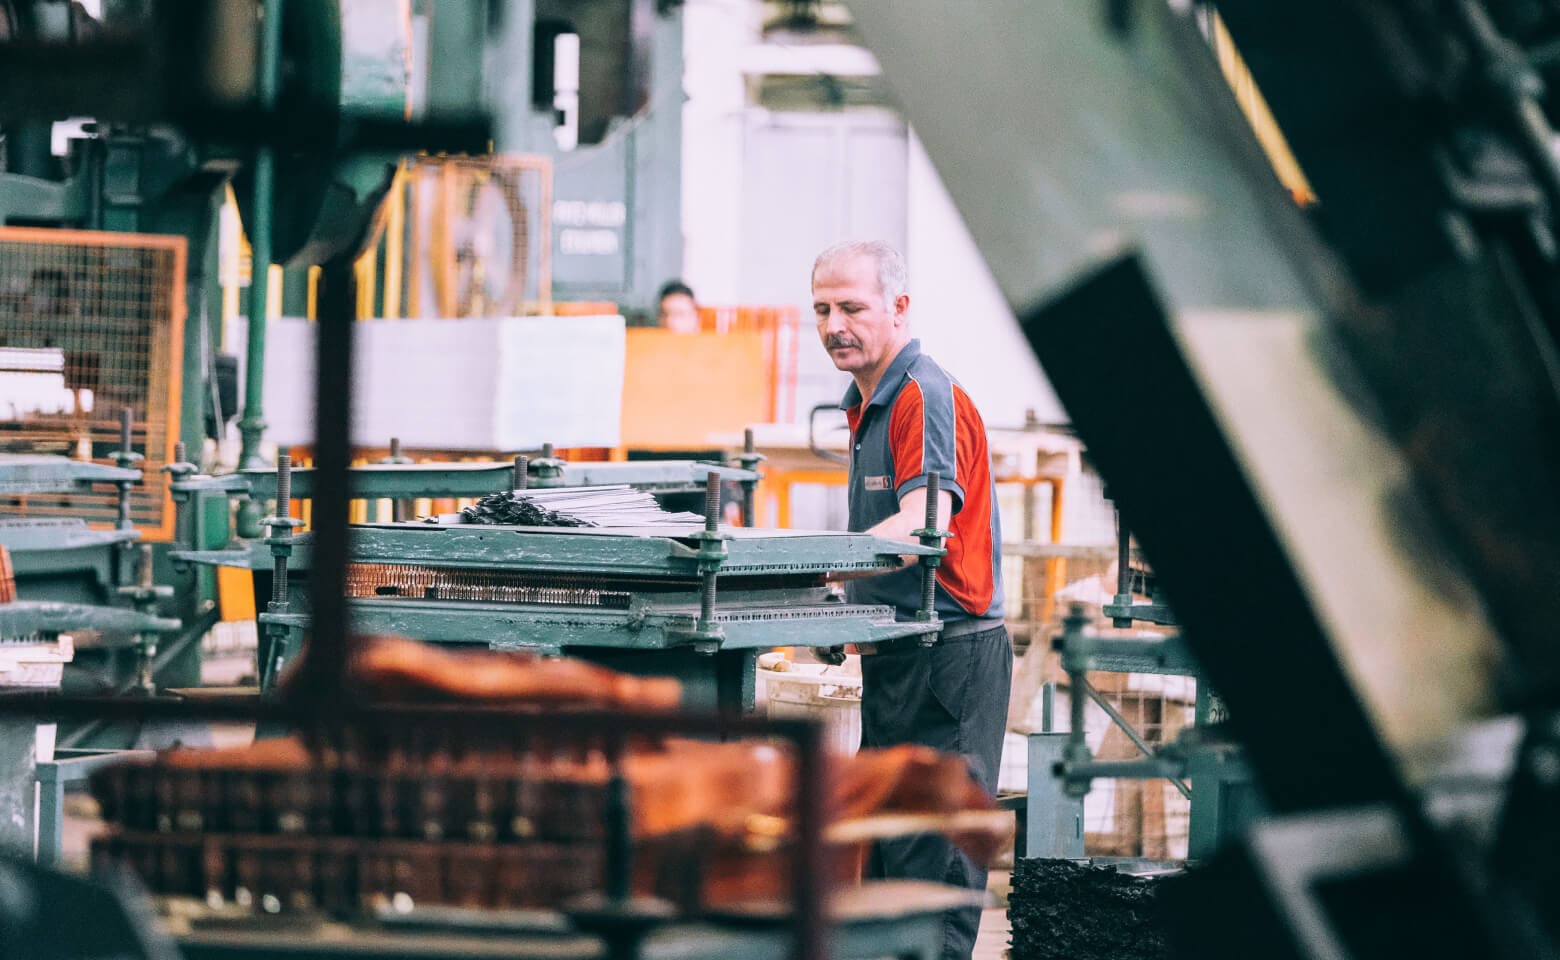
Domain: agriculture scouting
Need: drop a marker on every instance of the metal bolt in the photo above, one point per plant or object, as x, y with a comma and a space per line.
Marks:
547, 451
522, 471
146, 601
929, 570
749, 462
283, 509
124, 459
146, 566
712, 502
283, 484
395, 447
180, 452
711, 525
1123, 570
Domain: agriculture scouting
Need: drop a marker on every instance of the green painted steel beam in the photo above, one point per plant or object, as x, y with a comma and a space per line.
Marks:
1167, 656
25, 617
558, 628
250, 556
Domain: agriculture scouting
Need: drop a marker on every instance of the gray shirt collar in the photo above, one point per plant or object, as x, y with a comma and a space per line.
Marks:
888, 387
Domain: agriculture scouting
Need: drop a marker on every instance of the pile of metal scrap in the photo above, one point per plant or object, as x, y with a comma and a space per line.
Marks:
1072, 910
603, 506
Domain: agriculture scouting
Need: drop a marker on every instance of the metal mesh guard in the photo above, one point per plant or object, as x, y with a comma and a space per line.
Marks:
91, 322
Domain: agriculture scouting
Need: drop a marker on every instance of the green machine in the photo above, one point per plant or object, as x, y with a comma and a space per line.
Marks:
695, 603
72, 578
298, 108
1202, 763
108, 253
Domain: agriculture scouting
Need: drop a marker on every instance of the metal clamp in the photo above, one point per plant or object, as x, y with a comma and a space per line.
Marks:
548, 465
749, 459
398, 508
145, 595
1123, 611
931, 536
125, 459
281, 543
179, 471
707, 634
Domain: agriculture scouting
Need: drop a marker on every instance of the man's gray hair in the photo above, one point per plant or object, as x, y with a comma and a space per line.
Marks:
893, 277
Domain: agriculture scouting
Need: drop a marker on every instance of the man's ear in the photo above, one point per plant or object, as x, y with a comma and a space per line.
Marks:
901, 307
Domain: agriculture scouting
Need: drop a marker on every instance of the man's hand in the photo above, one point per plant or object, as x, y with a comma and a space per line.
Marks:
912, 516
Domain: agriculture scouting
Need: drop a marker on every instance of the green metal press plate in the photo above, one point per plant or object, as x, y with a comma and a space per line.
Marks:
35, 535
404, 481
42, 473
553, 629
618, 552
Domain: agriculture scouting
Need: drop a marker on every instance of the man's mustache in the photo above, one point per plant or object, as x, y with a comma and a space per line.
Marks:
837, 342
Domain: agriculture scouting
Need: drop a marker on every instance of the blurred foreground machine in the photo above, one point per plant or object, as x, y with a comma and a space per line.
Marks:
1360, 535
542, 808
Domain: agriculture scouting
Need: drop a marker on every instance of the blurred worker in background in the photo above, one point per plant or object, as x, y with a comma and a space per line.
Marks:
908, 417
676, 308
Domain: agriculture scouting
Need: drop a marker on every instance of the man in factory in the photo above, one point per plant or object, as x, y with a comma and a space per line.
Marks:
908, 417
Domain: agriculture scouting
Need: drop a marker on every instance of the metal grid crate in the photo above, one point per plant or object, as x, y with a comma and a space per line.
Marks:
91, 323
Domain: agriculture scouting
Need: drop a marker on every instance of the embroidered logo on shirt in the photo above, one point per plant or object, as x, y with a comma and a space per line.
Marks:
875, 483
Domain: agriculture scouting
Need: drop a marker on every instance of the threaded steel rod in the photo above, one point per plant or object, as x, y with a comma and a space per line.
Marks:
283, 509
929, 571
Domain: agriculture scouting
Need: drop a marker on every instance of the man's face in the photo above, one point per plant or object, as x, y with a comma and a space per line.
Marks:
679, 313
858, 329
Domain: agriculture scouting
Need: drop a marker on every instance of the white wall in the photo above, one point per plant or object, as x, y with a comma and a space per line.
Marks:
958, 312
758, 188
715, 34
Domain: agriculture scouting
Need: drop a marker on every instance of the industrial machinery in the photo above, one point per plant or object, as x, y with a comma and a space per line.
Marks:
318, 174
698, 604
69, 578
1202, 763
1061, 767
1360, 404
186, 106
108, 254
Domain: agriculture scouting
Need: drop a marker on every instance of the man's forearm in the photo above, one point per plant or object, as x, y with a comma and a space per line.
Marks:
912, 516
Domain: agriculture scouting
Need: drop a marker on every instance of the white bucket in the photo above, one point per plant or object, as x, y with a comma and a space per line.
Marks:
823, 692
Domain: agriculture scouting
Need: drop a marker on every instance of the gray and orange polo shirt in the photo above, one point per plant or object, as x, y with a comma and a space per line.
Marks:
919, 419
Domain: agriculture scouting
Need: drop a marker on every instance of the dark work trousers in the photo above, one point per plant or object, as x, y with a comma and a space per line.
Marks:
952, 696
